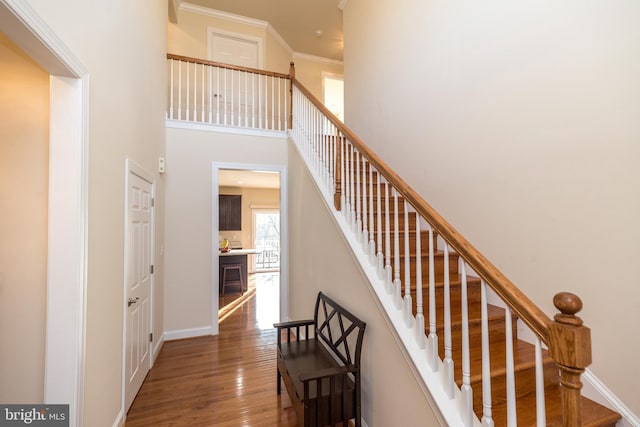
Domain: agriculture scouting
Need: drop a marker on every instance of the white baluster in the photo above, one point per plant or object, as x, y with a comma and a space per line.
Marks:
246, 99
343, 176
397, 283
347, 181
352, 190
279, 106
372, 242
358, 199
195, 92
253, 99
224, 99
448, 354
487, 417
298, 102
233, 98
541, 413
210, 94
387, 229
334, 161
467, 391
419, 303
286, 107
365, 220
171, 91
202, 115
408, 302
433, 336
511, 381
217, 95
179, 90
188, 90
273, 100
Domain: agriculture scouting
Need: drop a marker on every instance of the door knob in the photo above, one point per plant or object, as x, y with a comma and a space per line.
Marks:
132, 301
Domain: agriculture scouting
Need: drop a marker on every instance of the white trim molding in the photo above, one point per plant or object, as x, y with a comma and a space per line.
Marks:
181, 124
188, 333
231, 17
595, 390
318, 59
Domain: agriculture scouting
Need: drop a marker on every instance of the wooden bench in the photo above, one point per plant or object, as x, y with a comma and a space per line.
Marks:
322, 371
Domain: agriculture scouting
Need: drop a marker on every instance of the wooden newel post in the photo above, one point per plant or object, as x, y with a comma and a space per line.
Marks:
292, 77
570, 347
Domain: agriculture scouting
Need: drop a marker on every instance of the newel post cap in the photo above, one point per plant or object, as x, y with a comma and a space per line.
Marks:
569, 339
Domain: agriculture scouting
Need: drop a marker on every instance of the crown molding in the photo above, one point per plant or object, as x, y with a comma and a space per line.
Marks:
239, 19
342, 4
318, 59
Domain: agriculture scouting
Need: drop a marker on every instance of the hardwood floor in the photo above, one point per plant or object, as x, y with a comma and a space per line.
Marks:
228, 380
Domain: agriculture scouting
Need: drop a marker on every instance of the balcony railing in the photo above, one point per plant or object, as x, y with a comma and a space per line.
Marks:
212, 93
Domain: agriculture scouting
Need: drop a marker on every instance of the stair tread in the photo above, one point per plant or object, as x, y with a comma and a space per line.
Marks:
523, 358
593, 414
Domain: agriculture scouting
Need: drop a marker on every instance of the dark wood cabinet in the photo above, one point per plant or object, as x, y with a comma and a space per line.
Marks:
230, 211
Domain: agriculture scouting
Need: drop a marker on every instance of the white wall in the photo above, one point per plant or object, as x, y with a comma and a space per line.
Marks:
518, 121
321, 261
189, 241
123, 46
24, 171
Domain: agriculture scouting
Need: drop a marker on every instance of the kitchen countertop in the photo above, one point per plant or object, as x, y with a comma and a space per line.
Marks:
239, 252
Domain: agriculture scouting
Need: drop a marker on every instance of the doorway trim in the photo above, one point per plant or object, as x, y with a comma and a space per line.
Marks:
68, 203
284, 237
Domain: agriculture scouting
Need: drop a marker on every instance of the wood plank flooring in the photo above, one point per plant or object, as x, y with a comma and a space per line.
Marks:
228, 380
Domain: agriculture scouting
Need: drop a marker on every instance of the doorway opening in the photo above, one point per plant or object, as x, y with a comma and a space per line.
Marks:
249, 217
266, 238
333, 94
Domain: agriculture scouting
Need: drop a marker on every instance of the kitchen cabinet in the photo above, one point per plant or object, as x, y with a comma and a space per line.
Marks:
230, 212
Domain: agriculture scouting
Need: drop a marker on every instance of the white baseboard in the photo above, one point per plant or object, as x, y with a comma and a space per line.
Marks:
156, 349
595, 390
187, 333
119, 421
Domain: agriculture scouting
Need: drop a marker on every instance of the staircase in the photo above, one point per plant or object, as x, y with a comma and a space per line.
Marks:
430, 273
593, 414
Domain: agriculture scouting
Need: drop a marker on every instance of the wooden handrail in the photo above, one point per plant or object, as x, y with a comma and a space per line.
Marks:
227, 66
535, 318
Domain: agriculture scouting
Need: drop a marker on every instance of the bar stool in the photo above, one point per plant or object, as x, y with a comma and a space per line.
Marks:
227, 282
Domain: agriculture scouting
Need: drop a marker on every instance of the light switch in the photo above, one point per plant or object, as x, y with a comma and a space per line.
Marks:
161, 165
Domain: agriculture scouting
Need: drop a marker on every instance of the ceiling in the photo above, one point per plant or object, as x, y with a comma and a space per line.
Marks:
247, 178
297, 21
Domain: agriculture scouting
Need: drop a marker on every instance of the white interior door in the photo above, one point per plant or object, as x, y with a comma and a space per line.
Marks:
138, 285
239, 88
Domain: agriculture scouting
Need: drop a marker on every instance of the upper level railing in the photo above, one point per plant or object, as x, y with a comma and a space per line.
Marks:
220, 94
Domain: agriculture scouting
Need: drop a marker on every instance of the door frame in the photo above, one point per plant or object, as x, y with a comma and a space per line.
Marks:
131, 167
284, 236
65, 346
